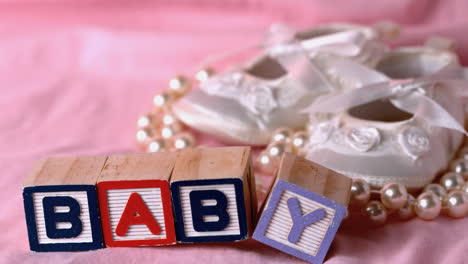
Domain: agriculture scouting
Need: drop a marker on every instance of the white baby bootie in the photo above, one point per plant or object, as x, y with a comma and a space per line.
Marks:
402, 123
362, 44
247, 104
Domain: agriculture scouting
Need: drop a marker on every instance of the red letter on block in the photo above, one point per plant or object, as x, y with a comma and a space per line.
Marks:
126, 204
137, 213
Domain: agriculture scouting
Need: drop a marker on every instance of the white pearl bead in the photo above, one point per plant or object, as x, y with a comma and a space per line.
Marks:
162, 101
393, 195
266, 164
299, 141
460, 166
171, 130
456, 204
376, 212
360, 192
156, 145
179, 85
183, 141
168, 119
204, 74
276, 149
281, 134
406, 211
427, 206
452, 181
145, 120
143, 135
436, 189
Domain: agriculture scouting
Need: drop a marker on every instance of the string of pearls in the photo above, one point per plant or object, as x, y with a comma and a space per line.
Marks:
283, 140
159, 130
449, 196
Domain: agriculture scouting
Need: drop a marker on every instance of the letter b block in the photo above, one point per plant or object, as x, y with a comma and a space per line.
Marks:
304, 209
135, 200
213, 192
61, 205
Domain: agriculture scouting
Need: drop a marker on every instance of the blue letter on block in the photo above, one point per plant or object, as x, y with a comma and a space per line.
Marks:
62, 217
209, 210
199, 210
52, 217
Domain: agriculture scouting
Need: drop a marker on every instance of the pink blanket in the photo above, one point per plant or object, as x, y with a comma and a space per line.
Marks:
74, 76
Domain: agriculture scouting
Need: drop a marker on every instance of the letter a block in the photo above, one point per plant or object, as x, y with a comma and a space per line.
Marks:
213, 191
61, 204
304, 209
135, 200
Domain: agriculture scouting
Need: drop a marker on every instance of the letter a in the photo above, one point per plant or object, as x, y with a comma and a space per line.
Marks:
137, 213
301, 221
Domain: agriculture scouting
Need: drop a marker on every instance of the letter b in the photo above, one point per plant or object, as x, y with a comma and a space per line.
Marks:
200, 211
52, 217
209, 210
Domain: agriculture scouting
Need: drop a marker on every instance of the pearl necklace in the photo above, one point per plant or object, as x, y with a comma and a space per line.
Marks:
160, 131
450, 196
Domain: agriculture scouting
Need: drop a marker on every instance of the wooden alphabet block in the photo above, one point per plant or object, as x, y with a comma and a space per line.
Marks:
61, 204
304, 209
213, 194
135, 200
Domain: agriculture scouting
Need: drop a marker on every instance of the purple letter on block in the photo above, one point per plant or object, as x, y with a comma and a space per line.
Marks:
300, 222
294, 216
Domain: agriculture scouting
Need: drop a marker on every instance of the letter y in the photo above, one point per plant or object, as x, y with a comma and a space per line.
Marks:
301, 221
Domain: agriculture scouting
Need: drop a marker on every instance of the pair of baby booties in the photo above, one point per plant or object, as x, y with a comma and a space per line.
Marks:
371, 112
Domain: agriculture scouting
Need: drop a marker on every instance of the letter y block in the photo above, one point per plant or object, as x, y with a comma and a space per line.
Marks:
213, 192
304, 209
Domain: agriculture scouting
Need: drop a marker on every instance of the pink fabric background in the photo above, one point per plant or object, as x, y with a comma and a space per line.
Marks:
74, 76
